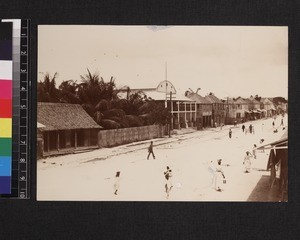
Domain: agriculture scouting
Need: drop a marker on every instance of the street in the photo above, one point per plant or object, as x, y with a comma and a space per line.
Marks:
91, 176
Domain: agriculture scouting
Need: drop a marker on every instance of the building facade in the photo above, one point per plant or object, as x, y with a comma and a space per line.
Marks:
203, 110
218, 110
65, 128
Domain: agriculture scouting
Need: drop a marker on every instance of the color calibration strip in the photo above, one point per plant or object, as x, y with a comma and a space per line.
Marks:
6, 70
20, 108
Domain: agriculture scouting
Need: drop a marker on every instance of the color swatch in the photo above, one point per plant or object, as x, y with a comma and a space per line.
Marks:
6, 88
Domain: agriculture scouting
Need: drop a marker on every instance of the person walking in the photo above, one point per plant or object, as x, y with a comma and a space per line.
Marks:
273, 124
281, 123
243, 127
150, 151
230, 133
168, 184
247, 162
117, 183
254, 151
250, 128
219, 177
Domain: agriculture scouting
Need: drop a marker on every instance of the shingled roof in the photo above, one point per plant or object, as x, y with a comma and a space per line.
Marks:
63, 116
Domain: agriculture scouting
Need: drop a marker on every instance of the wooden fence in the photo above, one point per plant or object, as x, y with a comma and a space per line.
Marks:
114, 137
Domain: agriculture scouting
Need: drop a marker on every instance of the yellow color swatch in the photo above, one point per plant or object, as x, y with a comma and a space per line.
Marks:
5, 127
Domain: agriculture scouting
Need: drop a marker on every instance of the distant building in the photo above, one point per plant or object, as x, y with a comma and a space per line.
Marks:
230, 110
182, 108
254, 108
218, 109
65, 128
242, 108
203, 110
268, 107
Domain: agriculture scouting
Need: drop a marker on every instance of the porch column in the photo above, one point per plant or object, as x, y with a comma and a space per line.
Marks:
57, 146
195, 112
48, 144
178, 114
75, 139
172, 122
185, 112
191, 115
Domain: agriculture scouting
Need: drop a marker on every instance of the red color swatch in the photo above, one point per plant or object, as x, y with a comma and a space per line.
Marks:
5, 108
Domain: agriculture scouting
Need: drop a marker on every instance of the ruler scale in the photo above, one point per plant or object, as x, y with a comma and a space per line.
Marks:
20, 122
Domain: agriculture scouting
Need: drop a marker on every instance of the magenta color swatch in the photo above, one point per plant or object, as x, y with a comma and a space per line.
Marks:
5, 89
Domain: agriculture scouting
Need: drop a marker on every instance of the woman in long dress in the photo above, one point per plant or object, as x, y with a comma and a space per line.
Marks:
247, 162
219, 177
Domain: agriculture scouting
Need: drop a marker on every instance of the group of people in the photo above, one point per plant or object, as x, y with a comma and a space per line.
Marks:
218, 177
167, 175
251, 129
168, 184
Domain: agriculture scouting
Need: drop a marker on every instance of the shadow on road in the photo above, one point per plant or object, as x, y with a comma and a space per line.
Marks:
263, 193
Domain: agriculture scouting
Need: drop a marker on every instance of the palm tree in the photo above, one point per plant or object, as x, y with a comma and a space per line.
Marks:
68, 91
47, 91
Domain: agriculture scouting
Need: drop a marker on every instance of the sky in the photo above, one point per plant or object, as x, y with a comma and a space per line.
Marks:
229, 61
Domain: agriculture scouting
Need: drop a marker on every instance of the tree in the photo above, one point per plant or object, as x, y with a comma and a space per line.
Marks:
278, 100
68, 92
47, 91
258, 98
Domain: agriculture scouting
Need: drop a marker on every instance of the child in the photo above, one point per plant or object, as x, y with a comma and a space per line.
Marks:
168, 185
117, 183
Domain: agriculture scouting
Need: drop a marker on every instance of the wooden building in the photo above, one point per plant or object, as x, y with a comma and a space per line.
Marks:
218, 109
278, 165
203, 109
64, 128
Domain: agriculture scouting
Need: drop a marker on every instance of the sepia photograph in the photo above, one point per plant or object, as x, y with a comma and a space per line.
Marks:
162, 113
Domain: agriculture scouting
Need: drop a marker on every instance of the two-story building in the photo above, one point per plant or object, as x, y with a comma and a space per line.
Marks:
267, 107
203, 109
230, 110
242, 108
182, 109
255, 107
218, 109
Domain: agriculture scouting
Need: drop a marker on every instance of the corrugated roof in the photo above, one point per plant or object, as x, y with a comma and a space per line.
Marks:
63, 116
213, 99
159, 96
197, 98
255, 101
247, 100
155, 95
241, 101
